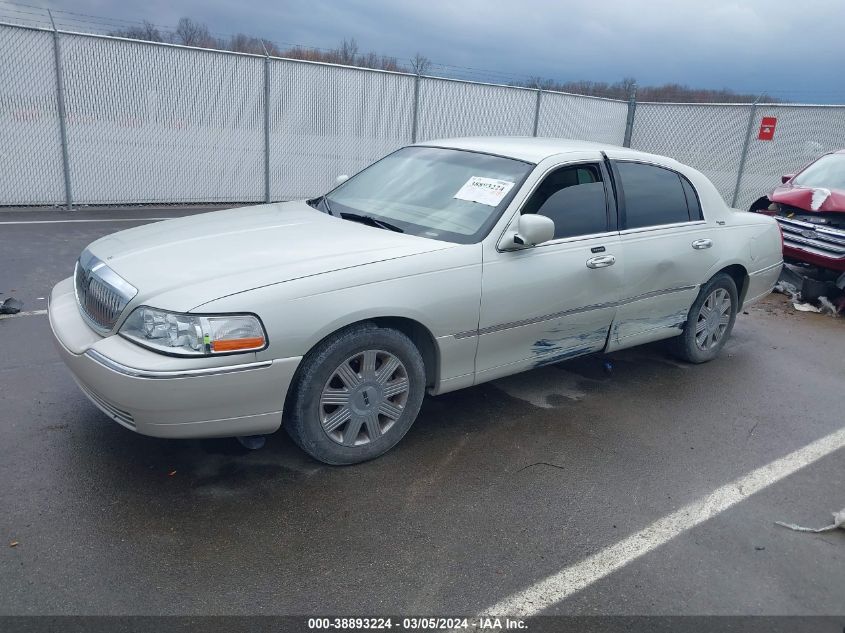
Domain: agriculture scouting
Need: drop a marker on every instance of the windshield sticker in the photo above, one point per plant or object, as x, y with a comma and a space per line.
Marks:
489, 191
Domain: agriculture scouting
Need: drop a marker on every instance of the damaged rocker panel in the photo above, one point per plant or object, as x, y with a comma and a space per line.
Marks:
556, 315
548, 351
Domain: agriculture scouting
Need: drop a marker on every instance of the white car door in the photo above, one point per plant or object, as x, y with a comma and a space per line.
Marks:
556, 300
667, 247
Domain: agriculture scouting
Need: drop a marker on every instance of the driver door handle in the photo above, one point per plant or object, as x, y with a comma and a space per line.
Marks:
602, 261
702, 244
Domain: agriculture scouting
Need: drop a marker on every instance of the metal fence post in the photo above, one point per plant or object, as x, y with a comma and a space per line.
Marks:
60, 104
266, 123
537, 110
416, 108
629, 121
752, 115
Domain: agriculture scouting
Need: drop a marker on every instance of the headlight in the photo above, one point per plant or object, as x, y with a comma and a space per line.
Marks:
194, 335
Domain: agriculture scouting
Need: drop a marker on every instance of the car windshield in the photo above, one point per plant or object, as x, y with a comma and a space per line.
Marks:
828, 172
445, 194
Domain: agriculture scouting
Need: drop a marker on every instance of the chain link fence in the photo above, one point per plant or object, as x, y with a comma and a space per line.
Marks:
586, 118
329, 120
31, 170
707, 137
96, 120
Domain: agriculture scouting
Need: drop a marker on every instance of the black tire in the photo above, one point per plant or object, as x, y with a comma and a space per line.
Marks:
303, 410
685, 346
761, 204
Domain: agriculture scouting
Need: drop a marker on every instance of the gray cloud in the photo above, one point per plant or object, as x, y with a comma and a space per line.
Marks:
792, 52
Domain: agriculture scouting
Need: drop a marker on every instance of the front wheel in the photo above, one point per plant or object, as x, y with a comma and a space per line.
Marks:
710, 321
356, 394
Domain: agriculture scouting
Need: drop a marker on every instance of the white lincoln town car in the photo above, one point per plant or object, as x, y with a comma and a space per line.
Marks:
441, 266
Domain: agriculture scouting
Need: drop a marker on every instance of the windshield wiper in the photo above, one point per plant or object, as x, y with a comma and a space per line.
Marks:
368, 219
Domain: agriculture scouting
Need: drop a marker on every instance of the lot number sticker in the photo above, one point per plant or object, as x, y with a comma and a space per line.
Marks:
489, 191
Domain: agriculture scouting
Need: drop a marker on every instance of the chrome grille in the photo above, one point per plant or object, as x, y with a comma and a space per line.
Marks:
813, 238
100, 292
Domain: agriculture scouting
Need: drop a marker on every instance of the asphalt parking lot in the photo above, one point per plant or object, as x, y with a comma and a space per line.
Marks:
494, 489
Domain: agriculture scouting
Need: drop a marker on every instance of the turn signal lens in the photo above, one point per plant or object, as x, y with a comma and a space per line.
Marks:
194, 335
237, 344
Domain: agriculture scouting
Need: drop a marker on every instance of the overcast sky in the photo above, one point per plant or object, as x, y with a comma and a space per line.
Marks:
792, 50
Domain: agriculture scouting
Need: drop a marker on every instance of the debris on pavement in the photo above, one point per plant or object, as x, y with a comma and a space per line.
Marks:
786, 288
812, 290
13, 544
838, 522
11, 306
826, 306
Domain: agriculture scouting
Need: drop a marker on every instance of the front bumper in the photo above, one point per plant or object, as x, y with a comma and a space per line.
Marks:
165, 396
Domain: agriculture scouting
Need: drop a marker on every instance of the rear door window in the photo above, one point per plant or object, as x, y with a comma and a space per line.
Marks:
653, 195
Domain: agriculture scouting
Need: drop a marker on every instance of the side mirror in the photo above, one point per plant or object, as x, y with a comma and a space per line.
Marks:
786, 178
533, 229
341, 179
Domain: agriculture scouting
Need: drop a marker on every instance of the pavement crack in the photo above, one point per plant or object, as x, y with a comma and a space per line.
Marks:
541, 464
751, 430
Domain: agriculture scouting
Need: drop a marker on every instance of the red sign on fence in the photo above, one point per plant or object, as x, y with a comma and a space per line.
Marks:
767, 128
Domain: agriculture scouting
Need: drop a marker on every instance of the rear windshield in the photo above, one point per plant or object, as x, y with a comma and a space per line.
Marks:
828, 172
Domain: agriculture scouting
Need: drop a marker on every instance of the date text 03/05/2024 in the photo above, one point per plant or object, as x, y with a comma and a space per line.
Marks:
424, 623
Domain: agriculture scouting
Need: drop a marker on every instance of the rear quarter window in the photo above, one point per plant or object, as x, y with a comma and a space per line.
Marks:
693, 203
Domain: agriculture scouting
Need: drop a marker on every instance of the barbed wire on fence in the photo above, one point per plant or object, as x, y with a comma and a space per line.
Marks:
29, 14
90, 119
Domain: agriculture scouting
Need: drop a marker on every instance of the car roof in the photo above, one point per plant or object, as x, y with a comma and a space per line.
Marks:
532, 149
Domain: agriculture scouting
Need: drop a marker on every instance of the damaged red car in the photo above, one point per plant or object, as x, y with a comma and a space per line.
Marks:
810, 208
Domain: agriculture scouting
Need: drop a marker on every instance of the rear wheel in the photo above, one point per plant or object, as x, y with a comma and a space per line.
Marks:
356, 394
710, 321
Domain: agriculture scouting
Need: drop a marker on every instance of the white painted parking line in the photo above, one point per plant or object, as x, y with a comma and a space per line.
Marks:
88, 220
581, 575
22, 314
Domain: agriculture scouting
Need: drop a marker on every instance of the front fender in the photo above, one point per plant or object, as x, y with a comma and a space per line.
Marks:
439, 290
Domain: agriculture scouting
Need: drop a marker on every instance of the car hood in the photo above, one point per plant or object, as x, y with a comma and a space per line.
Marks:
810, 198
179, 264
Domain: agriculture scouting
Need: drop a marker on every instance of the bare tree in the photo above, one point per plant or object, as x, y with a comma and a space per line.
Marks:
347, 52
420, 64
540, 83
242, 43
190, 33
147, 32
193, 33
629, 85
